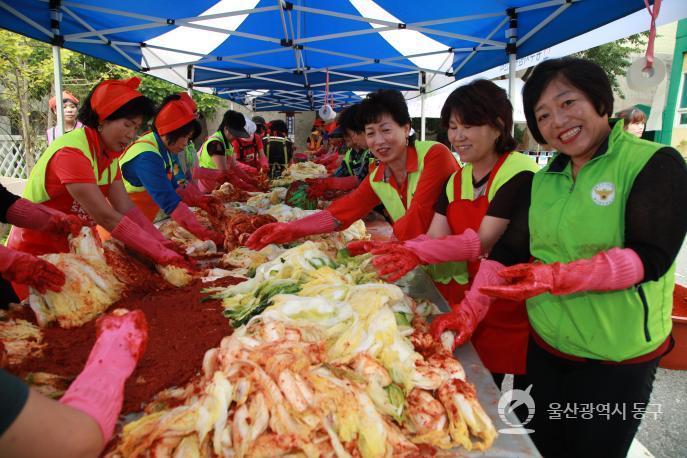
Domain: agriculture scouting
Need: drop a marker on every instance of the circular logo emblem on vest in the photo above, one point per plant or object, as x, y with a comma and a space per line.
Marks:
603, 193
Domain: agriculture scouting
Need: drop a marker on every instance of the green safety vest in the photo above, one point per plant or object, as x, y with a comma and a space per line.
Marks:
204, 159
513, 164
35, 187
146, 143
444, 272
573, 219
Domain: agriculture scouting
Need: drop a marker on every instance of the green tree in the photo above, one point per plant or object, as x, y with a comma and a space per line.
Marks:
25, 75
614, 57
26, 80
87, 71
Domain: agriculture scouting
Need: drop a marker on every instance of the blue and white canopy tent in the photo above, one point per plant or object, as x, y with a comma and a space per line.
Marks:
357, 45
281, 100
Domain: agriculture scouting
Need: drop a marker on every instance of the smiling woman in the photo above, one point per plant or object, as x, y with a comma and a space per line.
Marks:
79, 174
603, 222
407, 178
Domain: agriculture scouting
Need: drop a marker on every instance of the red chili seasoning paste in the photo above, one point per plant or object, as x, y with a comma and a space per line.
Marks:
181, 329
680, 301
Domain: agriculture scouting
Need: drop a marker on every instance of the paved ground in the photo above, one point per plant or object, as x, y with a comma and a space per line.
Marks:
666, 436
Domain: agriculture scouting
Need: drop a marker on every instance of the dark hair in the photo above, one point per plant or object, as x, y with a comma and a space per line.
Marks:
582, 74
278, 126
384, 101
140, 106
632, 115
349, 120
231, 117
192, 127
482, 102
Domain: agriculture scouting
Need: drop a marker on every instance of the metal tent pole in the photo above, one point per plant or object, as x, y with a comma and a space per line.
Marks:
189, 80
511, 49
55, 18
57, 71
423, 79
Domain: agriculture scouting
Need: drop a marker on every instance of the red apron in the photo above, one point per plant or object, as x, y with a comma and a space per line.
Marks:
248, 153
501, 338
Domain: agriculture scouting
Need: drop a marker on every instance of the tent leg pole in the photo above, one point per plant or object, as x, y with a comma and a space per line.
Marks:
511, 78
57, 72
512, 50
189, 80
422, 116
423, 90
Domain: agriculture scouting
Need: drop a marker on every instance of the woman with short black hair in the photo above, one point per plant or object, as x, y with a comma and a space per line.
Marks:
150, 171
603, 221
79, 174
469, 217
407, 179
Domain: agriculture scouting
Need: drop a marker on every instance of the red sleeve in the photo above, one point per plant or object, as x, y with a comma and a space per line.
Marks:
258, 142
70, 165
235, 145
439, 165
353, 206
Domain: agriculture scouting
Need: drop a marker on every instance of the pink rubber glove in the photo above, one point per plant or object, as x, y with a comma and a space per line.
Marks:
202, 173
137, 216
464, 317
615, 269
461, 247
26, 269
239, 183
98, 390
187, 219
392, 262
246, 168
243, 176
317, 223
190, 194
139, 240
24, 213
358, 247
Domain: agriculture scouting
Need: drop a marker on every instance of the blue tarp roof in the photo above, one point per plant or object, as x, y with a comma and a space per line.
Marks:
298, 100
359, 45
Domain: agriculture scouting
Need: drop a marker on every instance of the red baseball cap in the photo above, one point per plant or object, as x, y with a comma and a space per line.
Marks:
175, 114
111, 95
66, 95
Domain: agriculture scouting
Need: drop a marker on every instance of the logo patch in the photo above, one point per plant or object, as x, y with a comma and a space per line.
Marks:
603, 193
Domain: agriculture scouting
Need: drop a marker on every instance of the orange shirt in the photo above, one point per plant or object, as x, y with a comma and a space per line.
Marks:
439, 165
69, 165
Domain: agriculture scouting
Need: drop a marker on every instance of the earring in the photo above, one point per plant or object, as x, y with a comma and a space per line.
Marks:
406, 141
100, 128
